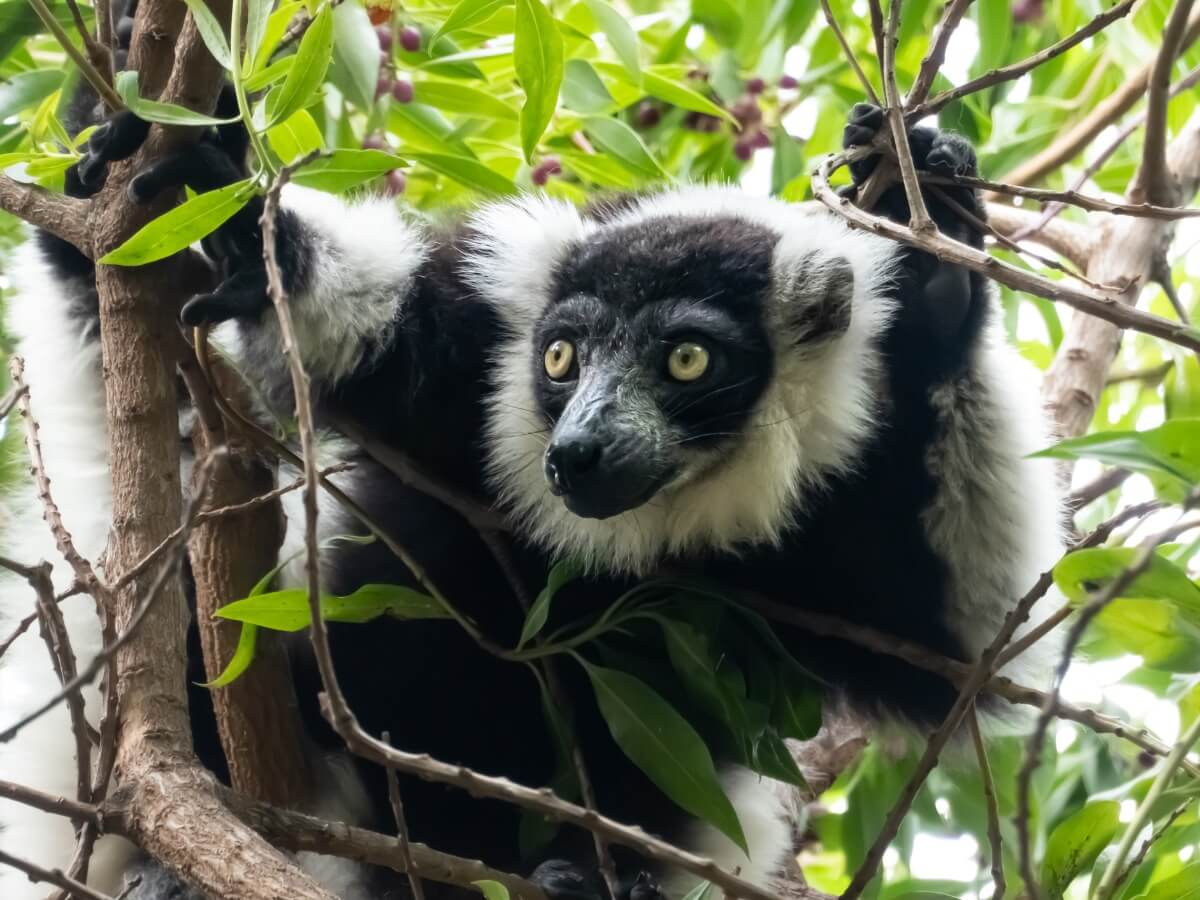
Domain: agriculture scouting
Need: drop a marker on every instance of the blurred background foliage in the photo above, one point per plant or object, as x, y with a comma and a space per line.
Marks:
631, 93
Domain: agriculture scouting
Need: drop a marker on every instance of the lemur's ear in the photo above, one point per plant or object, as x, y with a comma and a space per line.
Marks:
813, 295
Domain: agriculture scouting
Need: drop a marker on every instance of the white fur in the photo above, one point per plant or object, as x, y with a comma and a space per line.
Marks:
765, 819
806, 428
997, 517
364, 261
63, 373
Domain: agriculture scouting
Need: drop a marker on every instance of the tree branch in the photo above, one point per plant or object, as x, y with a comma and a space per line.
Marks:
62, 216
989, 797
936, 56
831, 21
1153, 180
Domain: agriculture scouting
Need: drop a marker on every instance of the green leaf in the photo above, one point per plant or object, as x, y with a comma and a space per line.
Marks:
211, 32
466, 171
288, 610
425, 128
307, 72
796, 712
657, 85
1076, 842
24, 90
620, 141
598, 169
665, 747
1173, 449
538, 56
492, 890
271, 74
243, 656
344, 169
773, 759
453, 96
294, 137
1155, 630
701, 891
1088, 570
126, 85
788, 162
994, 20
356, 57
582, 89
621, 36
258, 13
468, 13
720, 18
1183, 885
277, 26
182, 226
562, 573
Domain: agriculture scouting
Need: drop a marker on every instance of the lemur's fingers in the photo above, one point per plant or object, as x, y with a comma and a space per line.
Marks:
865, 120
564, 880
118, 138
202, 167
243, 295
644, 887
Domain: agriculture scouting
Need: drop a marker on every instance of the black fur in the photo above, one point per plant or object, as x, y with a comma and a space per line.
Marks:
645, 286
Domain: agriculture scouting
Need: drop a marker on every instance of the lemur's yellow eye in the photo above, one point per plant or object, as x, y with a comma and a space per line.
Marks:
558, 359
687, 362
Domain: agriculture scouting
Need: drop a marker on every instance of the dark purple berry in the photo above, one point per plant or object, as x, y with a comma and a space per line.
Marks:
374, 142
1027, 10
384, 33
395, 183
544, 169
410, 39
648, 114
383, 85
746, 111
760, 141
755, 86
787, 82
552, 165
743, 150
402, 90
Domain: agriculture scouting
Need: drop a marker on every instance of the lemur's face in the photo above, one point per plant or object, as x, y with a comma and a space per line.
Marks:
651, 358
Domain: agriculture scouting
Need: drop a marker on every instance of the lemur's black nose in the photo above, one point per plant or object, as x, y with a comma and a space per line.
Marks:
570, 459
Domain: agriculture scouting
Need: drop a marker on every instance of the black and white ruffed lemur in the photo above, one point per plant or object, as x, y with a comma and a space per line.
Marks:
698, 379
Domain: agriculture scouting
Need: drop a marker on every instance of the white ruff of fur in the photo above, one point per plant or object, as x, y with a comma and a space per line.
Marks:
808, 426
62, 369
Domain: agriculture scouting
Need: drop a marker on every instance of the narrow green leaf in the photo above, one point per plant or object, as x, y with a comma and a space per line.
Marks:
720, 18
582, 89
48, 166
538, 56
295, 136
621, 36
276, 71
243, 656
1088, 570
126, 84
467, 172
277, 26
426, 128
562, 573
796, 712
211, 32
1173, 449
598, 169
623, 145
702, 891
1076, 842
258, 13
665, 747
288, 610
1183, 885
492, 890
356, 57
27, 88
671, 91
182, 226
773, 759
307, 72
468, 13
452, 96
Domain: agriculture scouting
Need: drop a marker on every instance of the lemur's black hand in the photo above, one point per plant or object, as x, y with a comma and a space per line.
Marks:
118, 138
564, 880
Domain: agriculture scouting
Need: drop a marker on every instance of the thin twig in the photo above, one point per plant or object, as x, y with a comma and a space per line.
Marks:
919, 220
1088, 300
103, 88
1111, 878
1092, 491
1187, 82
989, 797
393, 780
1017, 69
97, 53
936, 56
1071, 197
850, 57
1153, 181
1150, 840
51, 876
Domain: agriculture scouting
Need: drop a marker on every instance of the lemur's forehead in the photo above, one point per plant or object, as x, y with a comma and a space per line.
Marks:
722, 260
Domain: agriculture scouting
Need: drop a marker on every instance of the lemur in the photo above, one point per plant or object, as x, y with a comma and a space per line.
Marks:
725, 386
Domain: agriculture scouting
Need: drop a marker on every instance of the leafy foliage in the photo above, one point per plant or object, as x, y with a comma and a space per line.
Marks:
577, 97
